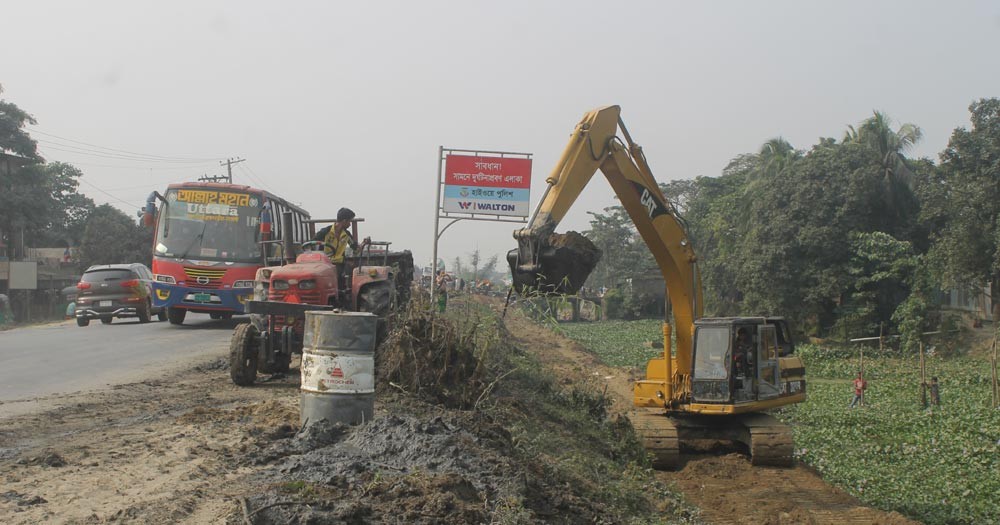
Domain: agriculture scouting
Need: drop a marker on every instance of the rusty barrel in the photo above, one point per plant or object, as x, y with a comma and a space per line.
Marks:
338, 367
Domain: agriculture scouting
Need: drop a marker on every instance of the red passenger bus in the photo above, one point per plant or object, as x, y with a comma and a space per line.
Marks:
208, 245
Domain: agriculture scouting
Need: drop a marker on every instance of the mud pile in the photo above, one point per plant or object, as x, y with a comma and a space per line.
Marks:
565, 261
409, 467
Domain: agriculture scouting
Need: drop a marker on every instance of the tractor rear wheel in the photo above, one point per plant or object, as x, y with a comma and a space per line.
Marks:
243, 355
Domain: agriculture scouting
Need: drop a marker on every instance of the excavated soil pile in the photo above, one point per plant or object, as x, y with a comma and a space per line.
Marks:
566, 263
451, 468
415, 464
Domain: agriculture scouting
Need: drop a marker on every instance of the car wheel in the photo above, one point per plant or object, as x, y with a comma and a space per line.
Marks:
82, 321
243, 355
176, 315
145, 314
107, 320
162, 315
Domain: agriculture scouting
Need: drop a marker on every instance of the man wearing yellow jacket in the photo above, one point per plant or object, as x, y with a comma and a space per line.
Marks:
338, 237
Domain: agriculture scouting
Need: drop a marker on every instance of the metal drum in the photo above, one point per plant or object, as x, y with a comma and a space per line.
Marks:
338, 367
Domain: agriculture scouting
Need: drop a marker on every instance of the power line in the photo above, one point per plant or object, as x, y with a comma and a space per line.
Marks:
121, 150
158, 168
108, 155
253, 175
109, 195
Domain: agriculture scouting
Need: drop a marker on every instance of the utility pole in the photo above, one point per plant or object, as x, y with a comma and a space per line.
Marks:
229, 166
214, 178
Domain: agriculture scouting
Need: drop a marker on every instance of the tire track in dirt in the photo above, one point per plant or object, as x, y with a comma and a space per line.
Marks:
727, 489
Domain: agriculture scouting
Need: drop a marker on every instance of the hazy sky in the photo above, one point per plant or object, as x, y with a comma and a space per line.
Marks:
345, 103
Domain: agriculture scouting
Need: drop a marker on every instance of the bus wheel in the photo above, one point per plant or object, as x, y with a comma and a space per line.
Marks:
176, 315
243, 355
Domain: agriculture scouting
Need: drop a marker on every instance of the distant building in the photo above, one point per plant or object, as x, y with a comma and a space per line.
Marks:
10, 162
977, 303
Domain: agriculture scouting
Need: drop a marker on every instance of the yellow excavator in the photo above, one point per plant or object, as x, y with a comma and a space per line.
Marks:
725, 371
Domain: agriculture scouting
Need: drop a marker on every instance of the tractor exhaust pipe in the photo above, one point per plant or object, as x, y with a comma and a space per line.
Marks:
287, 241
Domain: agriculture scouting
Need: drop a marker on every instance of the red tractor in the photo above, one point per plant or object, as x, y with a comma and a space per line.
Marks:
373, 281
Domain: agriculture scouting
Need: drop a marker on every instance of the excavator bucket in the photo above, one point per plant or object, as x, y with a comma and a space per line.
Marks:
564, 261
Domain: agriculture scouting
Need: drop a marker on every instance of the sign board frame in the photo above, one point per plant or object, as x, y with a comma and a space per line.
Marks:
489, 178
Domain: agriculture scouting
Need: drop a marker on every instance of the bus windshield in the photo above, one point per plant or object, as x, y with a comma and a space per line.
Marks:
210, 225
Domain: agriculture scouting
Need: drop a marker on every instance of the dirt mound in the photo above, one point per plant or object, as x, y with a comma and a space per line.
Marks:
398, 467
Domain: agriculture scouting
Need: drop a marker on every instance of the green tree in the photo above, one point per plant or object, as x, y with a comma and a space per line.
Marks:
964, 202
625, 255
111, 237
891, 146
13, 138
42, 201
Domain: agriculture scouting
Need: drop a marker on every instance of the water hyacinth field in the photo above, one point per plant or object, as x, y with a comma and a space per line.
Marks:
937, 465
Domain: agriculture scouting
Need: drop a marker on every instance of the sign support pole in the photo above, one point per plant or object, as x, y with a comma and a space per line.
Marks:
437, 223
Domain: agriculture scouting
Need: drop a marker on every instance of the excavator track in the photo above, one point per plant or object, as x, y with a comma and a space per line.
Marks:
659, 436
769, 440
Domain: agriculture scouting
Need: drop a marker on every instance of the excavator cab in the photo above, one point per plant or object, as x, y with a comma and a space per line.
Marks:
736, 361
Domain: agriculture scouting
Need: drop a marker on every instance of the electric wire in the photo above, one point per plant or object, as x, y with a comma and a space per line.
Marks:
256, 177
108, 155
129, 204
162, 157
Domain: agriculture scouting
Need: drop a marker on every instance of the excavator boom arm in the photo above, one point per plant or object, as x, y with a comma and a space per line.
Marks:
594, 145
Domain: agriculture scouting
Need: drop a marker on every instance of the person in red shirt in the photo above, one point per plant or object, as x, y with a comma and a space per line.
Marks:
859, 390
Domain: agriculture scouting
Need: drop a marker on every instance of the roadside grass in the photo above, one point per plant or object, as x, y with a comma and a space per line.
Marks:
564, 431
939, 466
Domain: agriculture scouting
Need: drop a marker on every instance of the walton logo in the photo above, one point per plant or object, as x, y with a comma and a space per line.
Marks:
465, 205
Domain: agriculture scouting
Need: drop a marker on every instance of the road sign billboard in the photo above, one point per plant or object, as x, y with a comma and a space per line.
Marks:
487, 185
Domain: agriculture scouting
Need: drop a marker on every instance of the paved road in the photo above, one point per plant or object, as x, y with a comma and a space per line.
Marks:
63, 357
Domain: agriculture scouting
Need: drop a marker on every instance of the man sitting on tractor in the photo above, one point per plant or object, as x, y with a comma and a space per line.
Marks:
337, 236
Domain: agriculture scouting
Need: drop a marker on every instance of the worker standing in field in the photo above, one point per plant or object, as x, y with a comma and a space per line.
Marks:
337, 237
442, 290
935, 392
860, 385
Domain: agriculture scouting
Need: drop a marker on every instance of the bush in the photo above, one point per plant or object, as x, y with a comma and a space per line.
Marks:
613, 304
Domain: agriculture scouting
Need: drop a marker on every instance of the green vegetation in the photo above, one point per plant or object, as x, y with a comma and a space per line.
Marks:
843, 236
937, 465
618, 343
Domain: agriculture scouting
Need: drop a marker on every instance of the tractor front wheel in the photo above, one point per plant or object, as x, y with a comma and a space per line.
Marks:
243, 355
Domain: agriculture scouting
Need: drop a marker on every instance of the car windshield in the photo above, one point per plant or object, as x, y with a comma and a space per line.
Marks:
712, 353
108, 275
212, 225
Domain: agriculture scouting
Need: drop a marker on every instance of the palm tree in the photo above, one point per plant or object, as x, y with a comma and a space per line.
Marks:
897, 179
